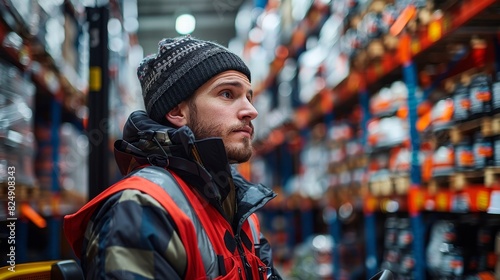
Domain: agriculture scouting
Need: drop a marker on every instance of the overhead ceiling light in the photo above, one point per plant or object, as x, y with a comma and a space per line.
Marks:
185, 24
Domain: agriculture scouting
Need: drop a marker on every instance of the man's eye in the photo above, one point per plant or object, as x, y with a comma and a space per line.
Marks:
226, 94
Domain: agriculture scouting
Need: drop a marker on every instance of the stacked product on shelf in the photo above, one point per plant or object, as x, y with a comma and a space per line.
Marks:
345, 166
463, 130
397, 252
387, 141
17, 142
72, 166
462, 246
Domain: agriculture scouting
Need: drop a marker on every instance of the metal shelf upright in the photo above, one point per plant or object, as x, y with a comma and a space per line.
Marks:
371, 260
410, 77
54, 222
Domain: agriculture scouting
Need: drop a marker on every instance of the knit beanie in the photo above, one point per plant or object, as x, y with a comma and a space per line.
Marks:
180, 67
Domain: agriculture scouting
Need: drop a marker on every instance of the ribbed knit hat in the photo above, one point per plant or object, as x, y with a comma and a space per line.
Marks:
180, 67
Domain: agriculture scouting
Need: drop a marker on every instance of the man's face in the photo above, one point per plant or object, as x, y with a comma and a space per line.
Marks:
223, 108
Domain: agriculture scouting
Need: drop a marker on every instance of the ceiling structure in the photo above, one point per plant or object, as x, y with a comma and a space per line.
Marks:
214, 20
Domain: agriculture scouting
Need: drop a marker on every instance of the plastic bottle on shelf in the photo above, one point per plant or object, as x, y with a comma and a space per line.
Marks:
391, 232
407, 267
461, 101
452, 266
452, 259
392, 253
480, 96
405, 236
443, 160
483, 151
485, 248
464, 155
496, 150
442, 254
495, 92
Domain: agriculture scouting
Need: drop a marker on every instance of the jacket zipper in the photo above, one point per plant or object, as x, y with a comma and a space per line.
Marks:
262, 271
247, 267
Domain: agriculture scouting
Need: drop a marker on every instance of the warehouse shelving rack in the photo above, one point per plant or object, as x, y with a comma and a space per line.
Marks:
413, 51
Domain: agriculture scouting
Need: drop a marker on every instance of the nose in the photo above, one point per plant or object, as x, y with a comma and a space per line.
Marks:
248, 111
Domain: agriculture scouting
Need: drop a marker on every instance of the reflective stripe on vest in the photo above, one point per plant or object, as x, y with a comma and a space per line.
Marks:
253, 221
170, 185
254, 228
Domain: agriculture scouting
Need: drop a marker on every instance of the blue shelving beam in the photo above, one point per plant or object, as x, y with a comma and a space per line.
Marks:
54, 221
371, 260
417, 225
335, 229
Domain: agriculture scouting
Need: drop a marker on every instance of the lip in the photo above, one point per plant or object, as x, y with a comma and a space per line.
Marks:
246, 130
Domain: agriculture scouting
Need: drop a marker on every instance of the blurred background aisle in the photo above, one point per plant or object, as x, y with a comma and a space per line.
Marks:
379, 123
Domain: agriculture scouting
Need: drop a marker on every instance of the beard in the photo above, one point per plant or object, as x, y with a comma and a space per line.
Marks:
203, 128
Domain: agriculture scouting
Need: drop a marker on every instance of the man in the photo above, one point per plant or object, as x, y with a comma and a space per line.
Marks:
182, 211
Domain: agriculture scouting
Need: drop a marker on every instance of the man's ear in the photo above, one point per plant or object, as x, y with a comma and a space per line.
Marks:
177, 116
